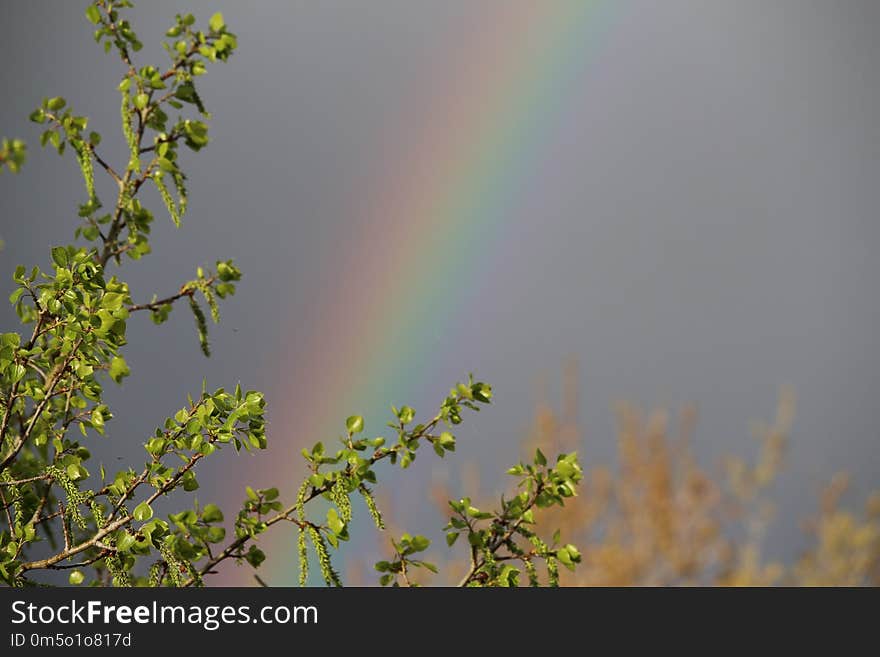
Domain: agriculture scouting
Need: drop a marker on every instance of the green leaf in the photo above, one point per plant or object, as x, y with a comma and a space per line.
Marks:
141, 100
419, 543
334, 522
56, 103
255, 556
143, 511
190, 483
60, 257
406, 415
76, 577
16, 372
118, 369
73, 471
94, 16
212, 513
217, 23
540, 459
125, 541
354, 424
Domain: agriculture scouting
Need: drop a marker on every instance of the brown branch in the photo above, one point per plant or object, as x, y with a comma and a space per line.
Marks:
4, 423
19, 482
181, 60
87, 562
117, 223
8, 516
42, 505
123, 50
105, 166
184, 292
109, 528
173, 137
51, 516
501, 540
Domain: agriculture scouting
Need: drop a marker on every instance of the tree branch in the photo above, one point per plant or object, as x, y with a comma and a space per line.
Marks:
184, 292
55, 377
501, 540
231, 549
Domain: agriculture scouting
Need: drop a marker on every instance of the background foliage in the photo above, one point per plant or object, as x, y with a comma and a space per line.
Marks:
659, 517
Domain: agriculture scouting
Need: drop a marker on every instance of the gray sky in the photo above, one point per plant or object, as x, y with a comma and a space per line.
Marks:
705, 230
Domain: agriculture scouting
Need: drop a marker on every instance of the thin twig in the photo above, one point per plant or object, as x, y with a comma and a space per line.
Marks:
184, 292
19, 482
8, 516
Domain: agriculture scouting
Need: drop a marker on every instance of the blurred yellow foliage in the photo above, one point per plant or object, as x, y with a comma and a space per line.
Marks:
660, 518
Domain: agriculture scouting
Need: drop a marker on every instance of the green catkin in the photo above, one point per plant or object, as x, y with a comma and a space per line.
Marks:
177, 567
303, 558
178, 178
84, 156
74, 496
154, 579
301, 539
341, 499
375, 514
166, 198
201, 326
532, 572
489, 565
194, 574
174, 564
114, 563
197, 100
211, 300
130, 138
541, 550
327, 572
301, 500
15, 498
553, 571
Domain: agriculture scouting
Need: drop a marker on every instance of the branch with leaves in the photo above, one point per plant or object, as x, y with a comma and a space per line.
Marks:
102, 528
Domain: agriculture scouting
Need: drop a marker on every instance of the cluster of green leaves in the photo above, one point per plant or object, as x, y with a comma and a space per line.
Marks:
399, 568
104, 528
12, 154
498, 540
53, 381
352, 469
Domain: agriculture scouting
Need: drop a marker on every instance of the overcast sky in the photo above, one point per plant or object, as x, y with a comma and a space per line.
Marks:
705, 231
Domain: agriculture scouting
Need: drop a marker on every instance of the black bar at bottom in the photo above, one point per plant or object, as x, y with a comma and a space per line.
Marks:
407, 621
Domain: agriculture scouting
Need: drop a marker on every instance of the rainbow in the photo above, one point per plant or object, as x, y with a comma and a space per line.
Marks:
437, 205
